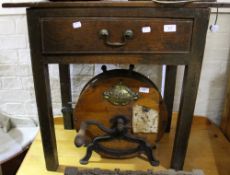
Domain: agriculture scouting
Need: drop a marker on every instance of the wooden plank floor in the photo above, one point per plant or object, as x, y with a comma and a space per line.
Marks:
208, 150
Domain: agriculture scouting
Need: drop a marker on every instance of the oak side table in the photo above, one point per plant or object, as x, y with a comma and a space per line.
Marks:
72, 32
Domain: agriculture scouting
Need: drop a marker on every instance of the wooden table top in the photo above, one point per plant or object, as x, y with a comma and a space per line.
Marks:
125, 4
208, 150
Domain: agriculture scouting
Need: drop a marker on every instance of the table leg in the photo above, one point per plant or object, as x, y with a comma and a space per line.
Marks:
1, 170
169, 92
65, 81
42, 92
184, 122
45, 114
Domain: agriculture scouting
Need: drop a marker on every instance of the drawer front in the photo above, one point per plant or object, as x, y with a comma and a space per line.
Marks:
123, 35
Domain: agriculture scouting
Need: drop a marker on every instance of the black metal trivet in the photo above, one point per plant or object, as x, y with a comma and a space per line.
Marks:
118, 130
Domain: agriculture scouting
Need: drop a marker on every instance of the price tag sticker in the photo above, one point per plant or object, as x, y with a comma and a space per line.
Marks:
170, 28
144, 90
146, 29
77, 25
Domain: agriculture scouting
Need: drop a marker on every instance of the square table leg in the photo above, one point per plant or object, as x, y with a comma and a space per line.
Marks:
66, 97
189, 89
169, 92
42, 93
45, 114
185, 117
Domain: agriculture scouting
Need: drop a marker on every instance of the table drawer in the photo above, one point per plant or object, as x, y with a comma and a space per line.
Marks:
113, 35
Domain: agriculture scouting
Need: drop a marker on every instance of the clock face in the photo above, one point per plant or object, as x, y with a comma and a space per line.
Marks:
144, 119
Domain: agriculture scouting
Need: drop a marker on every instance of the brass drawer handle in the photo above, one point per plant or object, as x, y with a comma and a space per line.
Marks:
104, 34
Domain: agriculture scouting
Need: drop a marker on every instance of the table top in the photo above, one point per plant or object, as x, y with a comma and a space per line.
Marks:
129, 4
208, 150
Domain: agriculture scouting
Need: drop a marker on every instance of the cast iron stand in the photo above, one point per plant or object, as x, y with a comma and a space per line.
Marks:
118, 130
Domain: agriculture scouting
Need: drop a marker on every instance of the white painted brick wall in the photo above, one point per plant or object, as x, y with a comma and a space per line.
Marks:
8, 57
11, 83
7, 26
12, 42
215, 70
16, 82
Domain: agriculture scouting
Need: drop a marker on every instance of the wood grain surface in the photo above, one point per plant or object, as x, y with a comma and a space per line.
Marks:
86, 39
131, 4
208, 150
92, 105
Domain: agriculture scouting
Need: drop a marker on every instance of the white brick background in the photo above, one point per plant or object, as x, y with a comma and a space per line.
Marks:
215, 70
16, 82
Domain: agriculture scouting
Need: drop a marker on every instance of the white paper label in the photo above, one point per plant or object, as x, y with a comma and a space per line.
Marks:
146, 29
170, 28
77, 25
144, 119
144, 90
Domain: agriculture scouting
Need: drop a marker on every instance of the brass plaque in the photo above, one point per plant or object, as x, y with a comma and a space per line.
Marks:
120, 94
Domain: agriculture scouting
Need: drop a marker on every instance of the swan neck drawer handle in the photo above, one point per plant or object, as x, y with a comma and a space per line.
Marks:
104, 34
